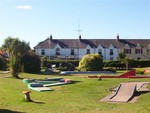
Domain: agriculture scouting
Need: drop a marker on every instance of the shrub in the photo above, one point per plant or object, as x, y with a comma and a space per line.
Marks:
44, 61
110, 69
91, 62
65, 66
116, 64
58, 62
31, 63
139, 72
3, 63
131, 63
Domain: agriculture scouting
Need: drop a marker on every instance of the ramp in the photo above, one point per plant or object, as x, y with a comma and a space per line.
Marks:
124, 93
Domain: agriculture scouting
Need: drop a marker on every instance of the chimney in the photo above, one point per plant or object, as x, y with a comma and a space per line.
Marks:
118, 37
51, 37
79, 37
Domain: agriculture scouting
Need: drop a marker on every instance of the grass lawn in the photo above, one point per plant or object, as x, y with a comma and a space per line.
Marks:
81, 97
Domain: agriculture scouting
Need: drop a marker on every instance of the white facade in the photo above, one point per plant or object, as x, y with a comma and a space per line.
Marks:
107, 48
109, 53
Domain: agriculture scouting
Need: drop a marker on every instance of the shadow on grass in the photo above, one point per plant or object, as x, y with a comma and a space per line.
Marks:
137, 94
75, 81
141, 92
37, 102
32, 101
9, 111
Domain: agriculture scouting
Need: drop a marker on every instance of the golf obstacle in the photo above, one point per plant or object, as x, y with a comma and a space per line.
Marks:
129, 74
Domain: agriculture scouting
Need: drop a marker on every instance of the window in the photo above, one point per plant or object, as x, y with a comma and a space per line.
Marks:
88, 51
72, 51
127, 51
111, 52
57, 51
138, 51
43, 52
99, 51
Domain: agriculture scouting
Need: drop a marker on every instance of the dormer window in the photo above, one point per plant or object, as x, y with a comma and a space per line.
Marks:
72, 51
138, 51
100, 52
57, 51
127, 51
42, 52
111, 52
88, 51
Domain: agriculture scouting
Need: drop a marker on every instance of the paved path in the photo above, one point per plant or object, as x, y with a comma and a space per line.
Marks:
126, 91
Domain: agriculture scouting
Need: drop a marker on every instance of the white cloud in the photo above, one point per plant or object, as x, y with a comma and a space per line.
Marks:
24, 7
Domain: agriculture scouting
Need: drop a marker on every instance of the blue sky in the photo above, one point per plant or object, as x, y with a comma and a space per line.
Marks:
34, 20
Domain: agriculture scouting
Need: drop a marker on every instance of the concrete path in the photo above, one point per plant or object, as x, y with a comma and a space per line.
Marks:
124, 93
127, 90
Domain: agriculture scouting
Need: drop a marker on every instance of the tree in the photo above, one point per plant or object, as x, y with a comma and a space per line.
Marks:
44, 61
16, 49
91, 62
121, 56
124, 59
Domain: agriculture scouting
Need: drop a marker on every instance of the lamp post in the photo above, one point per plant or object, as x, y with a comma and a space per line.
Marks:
79, 30
50, 39
49, 49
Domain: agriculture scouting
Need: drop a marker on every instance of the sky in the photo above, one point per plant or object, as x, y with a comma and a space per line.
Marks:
35, 20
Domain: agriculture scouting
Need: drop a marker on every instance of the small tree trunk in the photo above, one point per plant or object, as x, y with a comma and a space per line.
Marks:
16, 68
14, 74
127, 66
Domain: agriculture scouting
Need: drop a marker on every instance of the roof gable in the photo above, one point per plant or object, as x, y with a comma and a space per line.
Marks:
100, 46
111, 46
88, 46
57, 46
138, 46
127, 46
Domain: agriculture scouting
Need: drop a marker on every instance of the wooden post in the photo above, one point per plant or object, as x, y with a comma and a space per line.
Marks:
27, 95
99, 78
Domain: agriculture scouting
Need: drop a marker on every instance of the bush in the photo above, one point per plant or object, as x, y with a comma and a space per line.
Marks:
31, 63
139, 72
131, 64
3, 63
44, 61
91, 62
110, 69
75, 63
65, 66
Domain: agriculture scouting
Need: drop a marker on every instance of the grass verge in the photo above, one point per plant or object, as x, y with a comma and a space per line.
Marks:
81, 97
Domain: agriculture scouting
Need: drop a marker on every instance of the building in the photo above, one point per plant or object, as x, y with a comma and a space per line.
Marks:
3, 54
108, 48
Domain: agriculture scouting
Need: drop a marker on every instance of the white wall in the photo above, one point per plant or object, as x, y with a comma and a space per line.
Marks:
82, 51
115, 53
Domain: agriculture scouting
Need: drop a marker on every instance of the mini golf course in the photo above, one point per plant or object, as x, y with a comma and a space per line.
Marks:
43, 85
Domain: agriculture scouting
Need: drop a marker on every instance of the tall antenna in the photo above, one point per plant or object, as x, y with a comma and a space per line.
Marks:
79, 30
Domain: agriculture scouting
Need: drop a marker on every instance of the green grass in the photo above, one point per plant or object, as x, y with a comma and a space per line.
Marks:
81, 97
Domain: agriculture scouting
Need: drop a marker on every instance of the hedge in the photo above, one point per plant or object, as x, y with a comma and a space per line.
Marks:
132, 64
106, 63
58, 62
